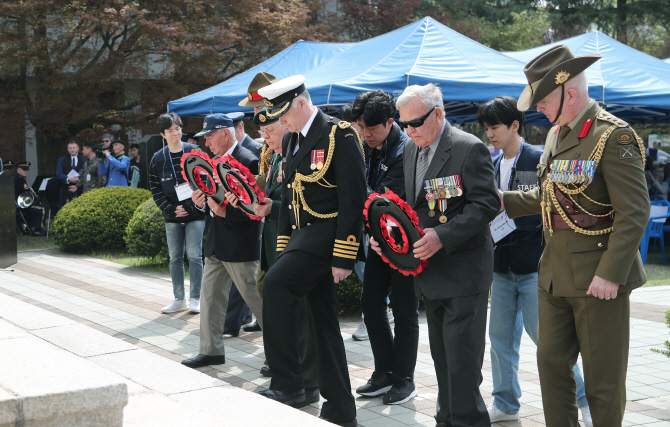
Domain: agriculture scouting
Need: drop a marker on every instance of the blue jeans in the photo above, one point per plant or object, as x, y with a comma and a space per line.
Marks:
513, 307
179, 236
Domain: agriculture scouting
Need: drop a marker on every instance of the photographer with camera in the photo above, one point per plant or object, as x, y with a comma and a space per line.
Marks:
89, 176
117, 165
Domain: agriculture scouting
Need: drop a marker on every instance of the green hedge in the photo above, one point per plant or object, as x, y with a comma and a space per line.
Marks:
145, 234
97, 220
349, 294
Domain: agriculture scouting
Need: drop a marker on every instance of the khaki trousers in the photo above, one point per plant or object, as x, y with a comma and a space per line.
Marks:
216, 283
599, 330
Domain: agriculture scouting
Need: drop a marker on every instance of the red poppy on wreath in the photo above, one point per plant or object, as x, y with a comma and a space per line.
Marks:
395, 225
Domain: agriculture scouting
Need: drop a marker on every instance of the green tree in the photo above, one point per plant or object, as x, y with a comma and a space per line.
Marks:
71, 64
526, 30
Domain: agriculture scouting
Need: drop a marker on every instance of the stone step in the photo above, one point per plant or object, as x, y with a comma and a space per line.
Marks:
159, 391
43, 385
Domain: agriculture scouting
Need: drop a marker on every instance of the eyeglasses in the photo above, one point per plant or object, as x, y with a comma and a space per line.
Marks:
106, 140
267, 133
416, 123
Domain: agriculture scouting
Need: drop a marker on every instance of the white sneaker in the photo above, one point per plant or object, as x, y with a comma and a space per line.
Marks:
586, 416
177, 305
194, 306
389, 314
361, 333
496, 414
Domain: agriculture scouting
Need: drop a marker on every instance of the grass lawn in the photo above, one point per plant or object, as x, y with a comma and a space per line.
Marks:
26, 243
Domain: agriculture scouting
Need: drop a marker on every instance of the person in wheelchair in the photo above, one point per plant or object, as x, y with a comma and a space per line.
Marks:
30, 213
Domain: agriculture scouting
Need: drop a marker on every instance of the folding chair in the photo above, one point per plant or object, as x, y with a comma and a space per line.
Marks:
660, 211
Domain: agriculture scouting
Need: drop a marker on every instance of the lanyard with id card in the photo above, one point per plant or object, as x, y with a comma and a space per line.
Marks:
184, 191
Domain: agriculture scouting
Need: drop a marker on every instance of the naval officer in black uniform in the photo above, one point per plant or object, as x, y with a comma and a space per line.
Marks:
318, 242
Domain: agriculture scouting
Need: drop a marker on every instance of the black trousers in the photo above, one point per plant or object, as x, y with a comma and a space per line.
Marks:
298, 274
457, 333
391, 355
237, 310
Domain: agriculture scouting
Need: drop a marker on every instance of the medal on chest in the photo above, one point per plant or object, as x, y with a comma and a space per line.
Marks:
318, 157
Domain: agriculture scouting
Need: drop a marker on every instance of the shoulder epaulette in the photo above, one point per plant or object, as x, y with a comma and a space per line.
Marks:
607, 117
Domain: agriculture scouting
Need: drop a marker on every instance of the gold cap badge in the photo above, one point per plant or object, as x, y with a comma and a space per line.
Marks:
562, 77
262, 118
204, 125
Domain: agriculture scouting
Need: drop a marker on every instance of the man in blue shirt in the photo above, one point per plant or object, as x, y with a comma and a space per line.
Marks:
117, 165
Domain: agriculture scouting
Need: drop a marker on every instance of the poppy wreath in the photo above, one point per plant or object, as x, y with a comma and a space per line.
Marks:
193, 166
236, 178
396, 251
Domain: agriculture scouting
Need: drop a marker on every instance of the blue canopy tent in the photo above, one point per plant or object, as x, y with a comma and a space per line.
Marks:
422, 52
633, 85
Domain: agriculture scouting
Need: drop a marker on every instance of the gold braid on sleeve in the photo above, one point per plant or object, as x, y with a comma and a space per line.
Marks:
264, 164
549, 196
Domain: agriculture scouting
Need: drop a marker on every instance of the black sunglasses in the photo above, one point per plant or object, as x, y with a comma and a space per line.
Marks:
415, 123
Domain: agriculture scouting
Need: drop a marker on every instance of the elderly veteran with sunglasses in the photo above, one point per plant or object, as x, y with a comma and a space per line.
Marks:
595, 207
450, 183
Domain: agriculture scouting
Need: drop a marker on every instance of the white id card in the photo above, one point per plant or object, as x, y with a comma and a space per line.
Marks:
88, 177
184, 191
501, 226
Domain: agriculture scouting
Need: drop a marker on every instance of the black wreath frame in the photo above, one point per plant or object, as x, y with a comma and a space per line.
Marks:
189, 165
403, 262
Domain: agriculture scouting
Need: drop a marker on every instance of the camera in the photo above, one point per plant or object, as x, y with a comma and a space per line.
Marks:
99, 151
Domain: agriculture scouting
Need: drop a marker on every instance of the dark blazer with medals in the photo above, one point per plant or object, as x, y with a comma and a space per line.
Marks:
570, 259
235, 238
340, 195
464, 265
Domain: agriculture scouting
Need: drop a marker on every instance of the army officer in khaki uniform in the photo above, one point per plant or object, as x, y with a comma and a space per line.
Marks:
595, 207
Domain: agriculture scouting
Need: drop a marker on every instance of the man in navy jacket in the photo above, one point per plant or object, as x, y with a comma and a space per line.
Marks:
184, 224
232, 249
516, 256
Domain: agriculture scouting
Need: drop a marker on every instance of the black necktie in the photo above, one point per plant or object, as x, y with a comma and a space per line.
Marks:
73, 163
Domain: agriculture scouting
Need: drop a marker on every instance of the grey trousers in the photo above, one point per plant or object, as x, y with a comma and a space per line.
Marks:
216, 283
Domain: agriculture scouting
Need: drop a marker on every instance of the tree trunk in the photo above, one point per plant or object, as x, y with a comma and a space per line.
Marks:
622, 24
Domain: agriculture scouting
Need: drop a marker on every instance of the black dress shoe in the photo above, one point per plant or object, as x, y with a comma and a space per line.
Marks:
247, 319
254, 327
352, 423
231, 332
295, 399
312, 395
266, 371
204, 360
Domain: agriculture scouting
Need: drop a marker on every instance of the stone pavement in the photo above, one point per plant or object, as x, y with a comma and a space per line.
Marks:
125, 302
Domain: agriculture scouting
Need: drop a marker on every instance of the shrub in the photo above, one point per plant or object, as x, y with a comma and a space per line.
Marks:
145, 234
665, 352
349, 294
97, 219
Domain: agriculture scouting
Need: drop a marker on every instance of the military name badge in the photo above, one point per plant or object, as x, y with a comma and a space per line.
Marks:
318, 157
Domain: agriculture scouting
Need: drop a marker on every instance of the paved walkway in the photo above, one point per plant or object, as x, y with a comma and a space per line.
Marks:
125, 302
